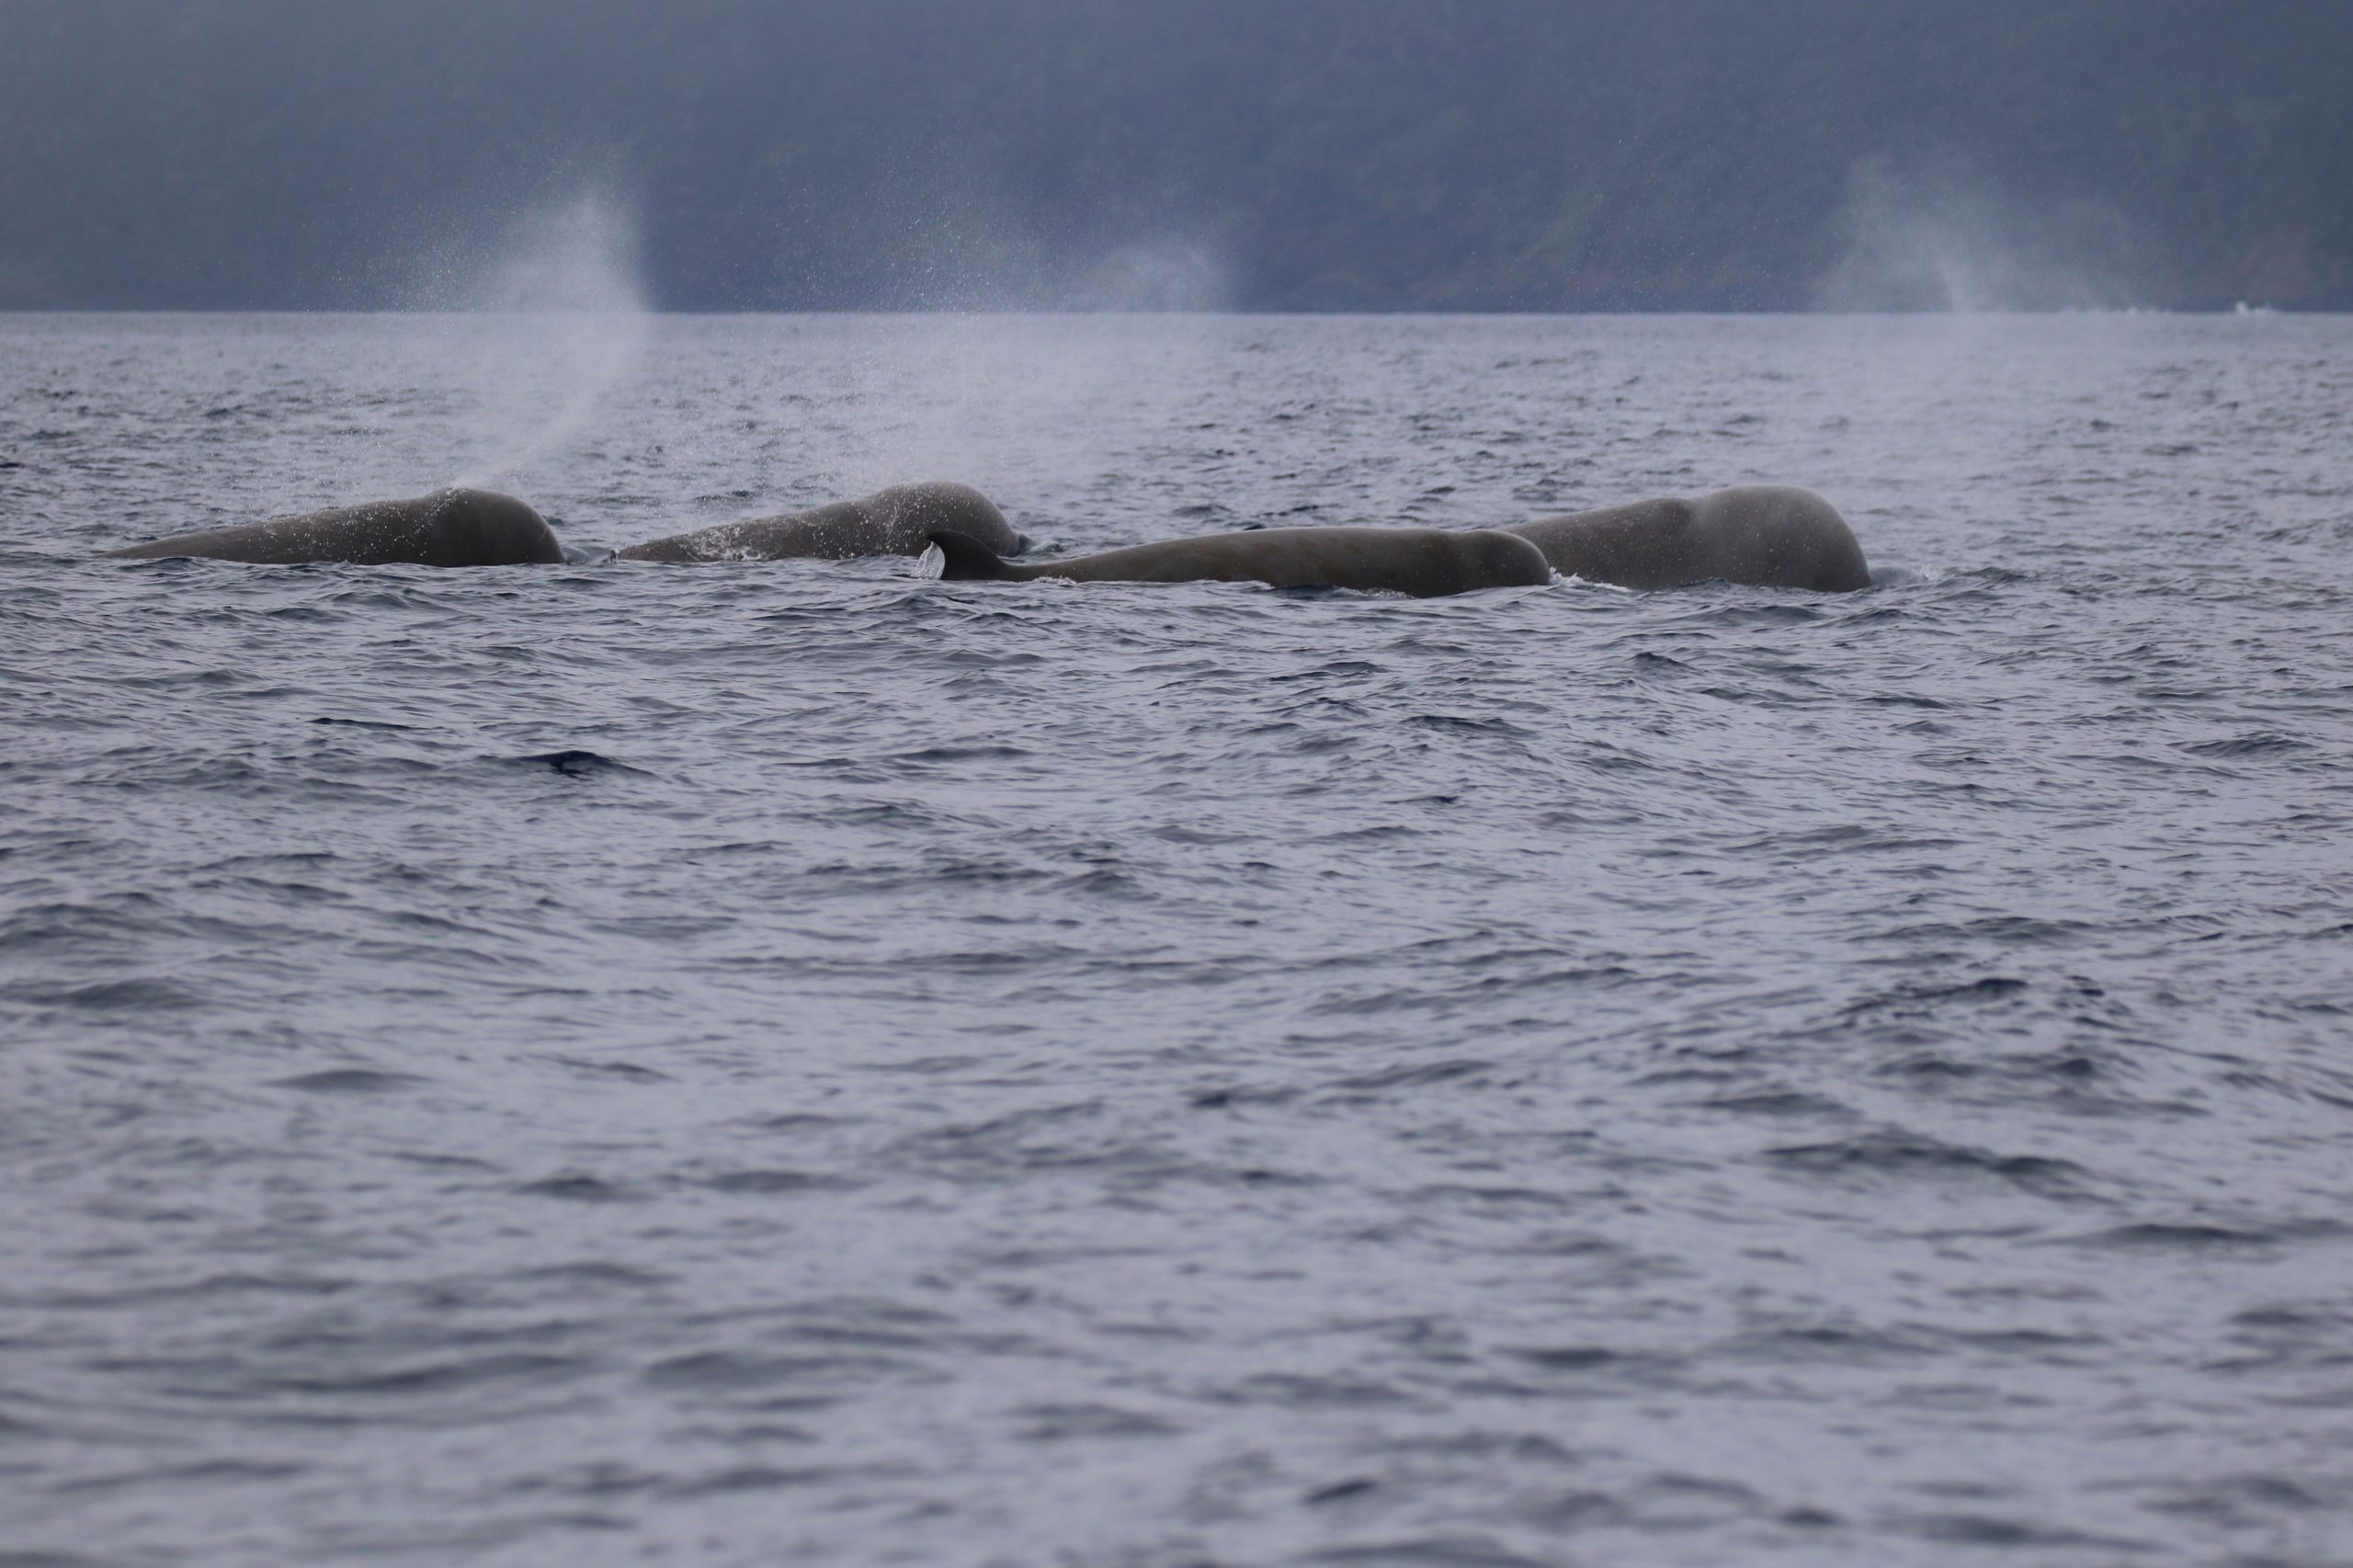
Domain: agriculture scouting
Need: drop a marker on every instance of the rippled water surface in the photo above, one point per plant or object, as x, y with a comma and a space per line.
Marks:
803, 1063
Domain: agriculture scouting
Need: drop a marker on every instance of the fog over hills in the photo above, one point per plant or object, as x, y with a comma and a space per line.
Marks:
1316, 155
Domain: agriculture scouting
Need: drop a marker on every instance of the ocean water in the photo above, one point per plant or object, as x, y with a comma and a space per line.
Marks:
803, 1063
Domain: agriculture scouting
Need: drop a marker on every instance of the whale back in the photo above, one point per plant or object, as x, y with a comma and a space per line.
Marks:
1765, 535
1423, 562
896, 521
449, 527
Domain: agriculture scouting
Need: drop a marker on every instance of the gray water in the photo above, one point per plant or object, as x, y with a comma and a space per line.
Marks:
802, 1063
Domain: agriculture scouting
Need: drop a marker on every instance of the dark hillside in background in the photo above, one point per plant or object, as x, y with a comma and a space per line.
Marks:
1308, 154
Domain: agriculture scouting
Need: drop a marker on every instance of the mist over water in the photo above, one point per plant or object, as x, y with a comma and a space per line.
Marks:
996, 366
1165, 276
557, 319
541, 334
1940, 234
800, 1062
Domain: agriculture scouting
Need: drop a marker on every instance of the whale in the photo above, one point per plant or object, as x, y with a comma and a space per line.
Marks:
1773, 535
896, 521
449, 527
1423, 562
